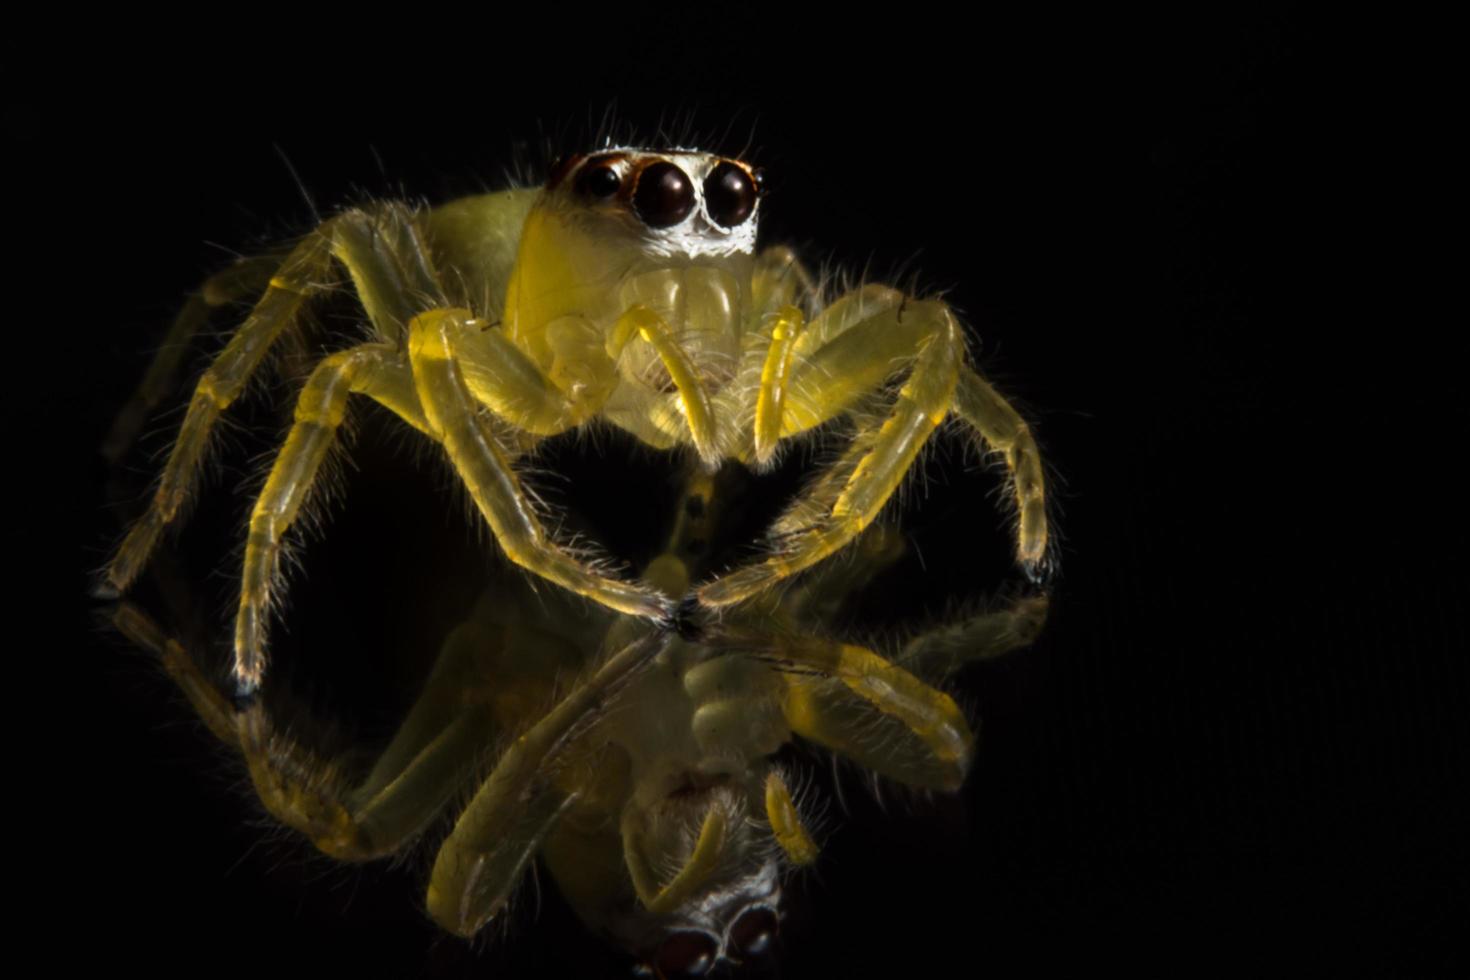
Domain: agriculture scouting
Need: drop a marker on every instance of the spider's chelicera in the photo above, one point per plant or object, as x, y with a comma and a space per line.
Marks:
637, 758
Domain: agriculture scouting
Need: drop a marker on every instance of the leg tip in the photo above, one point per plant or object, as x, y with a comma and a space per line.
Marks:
1040, 573
104, 590
684, 618
245, 696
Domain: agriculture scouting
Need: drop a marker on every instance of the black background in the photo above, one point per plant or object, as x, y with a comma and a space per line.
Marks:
1238, 741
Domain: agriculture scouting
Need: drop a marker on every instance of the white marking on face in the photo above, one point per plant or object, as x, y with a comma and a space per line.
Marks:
697, 235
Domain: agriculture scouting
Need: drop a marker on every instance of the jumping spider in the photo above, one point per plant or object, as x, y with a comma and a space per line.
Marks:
635, 741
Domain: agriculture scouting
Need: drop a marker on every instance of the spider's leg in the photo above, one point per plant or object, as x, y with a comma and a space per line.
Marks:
385, 253
829, 382
787, 340
853, 701
820, 595
388, 262
422, 770
939, 652
518, 804
780, 279
303, 271
453, 414
376, 370
246, 277
1007, 433
785, 821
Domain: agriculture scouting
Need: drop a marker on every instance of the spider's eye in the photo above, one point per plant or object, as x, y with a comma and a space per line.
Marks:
664, 196
753, 933
685, 955
729, 194
598, 181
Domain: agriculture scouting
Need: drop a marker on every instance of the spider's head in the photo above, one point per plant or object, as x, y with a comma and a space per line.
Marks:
715, 872
669, 233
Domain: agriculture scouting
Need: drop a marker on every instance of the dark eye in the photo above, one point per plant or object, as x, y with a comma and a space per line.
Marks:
729, 195
684, 955
754, 932
598, 181
664, 197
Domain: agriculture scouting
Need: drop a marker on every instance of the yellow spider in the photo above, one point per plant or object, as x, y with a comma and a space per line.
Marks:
628, 290
636, 763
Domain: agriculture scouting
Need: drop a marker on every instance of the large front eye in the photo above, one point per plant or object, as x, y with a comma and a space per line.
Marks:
754, 932
729, 195
685, 955
664, 196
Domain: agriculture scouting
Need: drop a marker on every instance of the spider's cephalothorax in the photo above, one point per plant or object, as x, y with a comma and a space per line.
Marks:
632, 288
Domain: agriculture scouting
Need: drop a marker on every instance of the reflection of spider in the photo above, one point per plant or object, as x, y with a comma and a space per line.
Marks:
635, 762
628, 290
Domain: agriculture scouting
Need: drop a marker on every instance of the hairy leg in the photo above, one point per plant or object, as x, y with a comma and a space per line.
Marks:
246, 277
858, 704
888, 450
940, 652
302, 272
1004, 431
454, 416
385, 256
375, 370
514, 809
423, 769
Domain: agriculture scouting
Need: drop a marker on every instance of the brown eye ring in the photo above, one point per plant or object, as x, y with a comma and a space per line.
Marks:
664, 195
598, 180
729, 195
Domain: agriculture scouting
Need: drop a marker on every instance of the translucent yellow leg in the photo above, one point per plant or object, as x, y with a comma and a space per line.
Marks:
454, 416
921, 405
373, 369
832, 691
780, 279
820, 595
423, 769
246, 277
313, 795
203, 695
389, 265
515, 808
1008, 434
303, 271
786, 824
940, 652
384, 252
863, 306
693, 398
